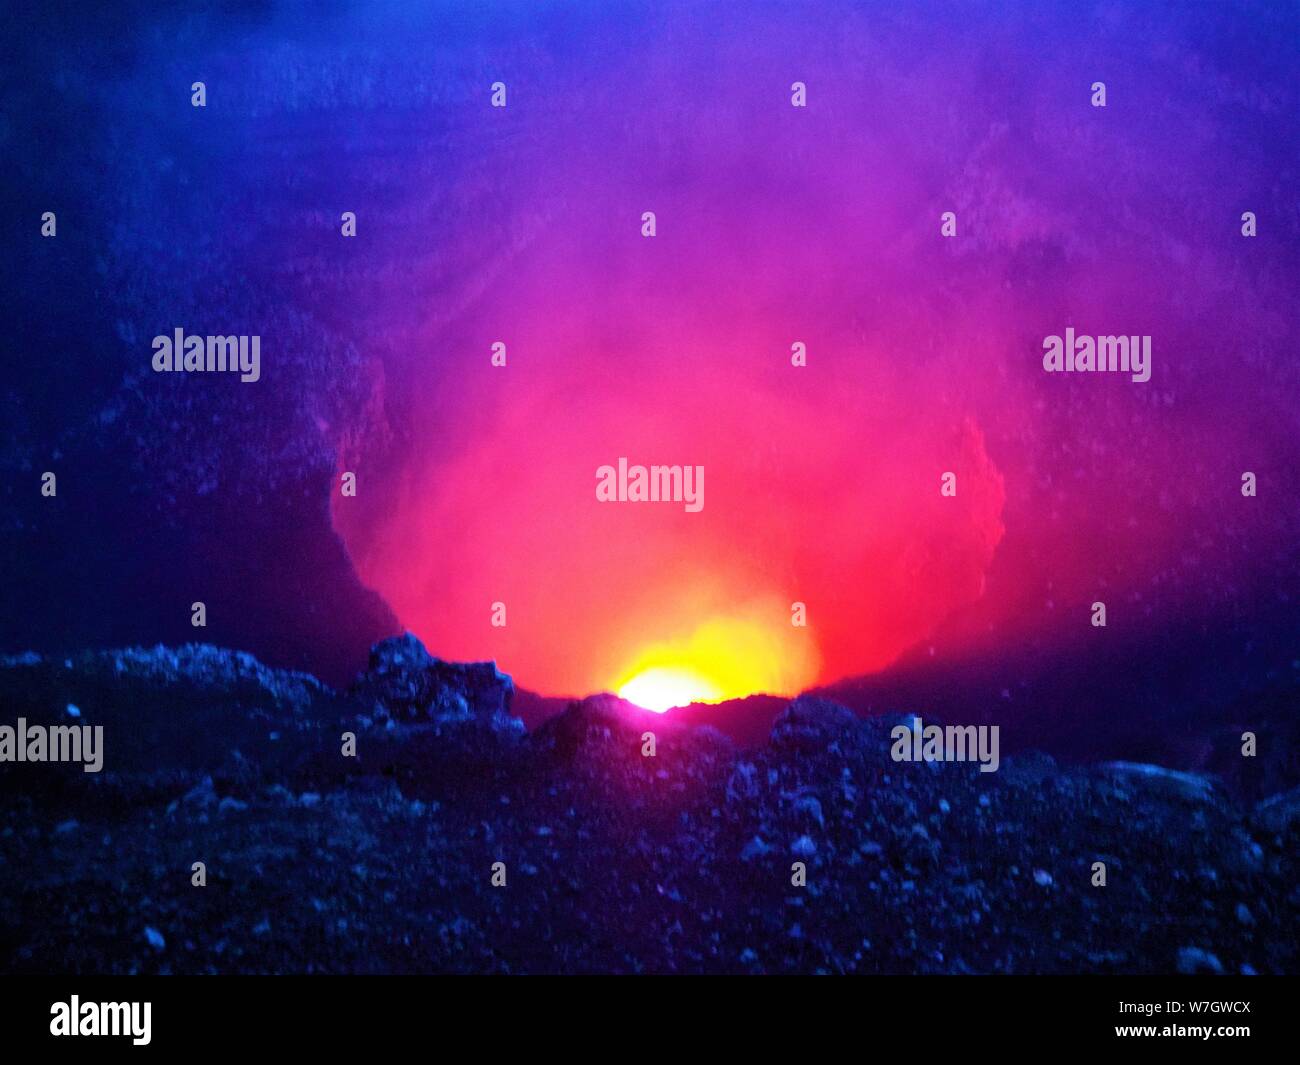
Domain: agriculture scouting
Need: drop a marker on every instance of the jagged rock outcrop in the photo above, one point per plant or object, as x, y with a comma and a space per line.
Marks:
404, 683
435, 727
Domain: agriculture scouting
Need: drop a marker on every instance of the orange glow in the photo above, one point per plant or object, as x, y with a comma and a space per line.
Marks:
663, 687
725, 658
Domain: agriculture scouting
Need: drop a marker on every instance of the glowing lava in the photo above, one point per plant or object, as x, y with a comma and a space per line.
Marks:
727, 657
663, 687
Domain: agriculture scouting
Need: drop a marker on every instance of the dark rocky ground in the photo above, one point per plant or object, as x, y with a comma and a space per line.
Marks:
614, 861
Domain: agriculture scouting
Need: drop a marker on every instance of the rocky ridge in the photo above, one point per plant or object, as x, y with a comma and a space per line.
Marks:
615, 860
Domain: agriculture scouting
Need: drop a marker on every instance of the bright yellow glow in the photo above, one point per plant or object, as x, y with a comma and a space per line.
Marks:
724, 658
662, 687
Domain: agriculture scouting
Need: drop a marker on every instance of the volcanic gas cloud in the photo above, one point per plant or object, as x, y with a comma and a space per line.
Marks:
776, 226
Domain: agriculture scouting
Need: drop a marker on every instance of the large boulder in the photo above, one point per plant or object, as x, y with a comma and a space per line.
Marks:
1192, 786
602, 723
405, 684
815, 724
437, 728
1279, 813
625, 758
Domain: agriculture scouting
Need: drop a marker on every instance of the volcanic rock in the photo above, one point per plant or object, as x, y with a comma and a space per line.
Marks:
622, 856
403, 682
